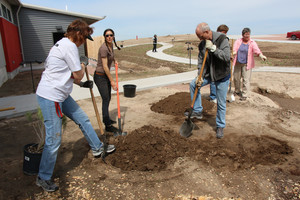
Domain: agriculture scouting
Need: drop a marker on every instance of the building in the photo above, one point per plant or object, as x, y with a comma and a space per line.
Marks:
27, 33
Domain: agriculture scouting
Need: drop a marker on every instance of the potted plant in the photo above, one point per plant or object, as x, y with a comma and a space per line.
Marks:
33, 151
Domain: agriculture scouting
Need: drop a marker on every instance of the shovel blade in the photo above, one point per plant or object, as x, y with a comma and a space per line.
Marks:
120, 133
231, 97
186, 128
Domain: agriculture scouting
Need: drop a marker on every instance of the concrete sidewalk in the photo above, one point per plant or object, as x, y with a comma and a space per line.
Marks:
27, 103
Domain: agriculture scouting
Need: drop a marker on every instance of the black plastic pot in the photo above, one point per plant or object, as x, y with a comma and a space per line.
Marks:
129, 90
31, 162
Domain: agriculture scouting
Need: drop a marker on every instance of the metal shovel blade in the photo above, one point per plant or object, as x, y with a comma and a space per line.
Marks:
186, 128
231, 97
120, 133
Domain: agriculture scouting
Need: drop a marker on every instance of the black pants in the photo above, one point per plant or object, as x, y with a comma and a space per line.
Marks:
154, 48
104, 87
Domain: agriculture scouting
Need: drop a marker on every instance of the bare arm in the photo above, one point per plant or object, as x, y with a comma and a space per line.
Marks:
78, 75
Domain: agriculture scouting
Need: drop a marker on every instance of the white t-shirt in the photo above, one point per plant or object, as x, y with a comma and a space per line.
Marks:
56, 83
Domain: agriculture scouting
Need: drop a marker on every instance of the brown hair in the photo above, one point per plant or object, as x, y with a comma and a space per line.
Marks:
223, 28
82, 27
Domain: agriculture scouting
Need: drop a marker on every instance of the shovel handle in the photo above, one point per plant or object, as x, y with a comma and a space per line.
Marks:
94, 104
199, 78
118, 97
231, 66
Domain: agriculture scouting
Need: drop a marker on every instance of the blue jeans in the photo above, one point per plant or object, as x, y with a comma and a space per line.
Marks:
53, 127
213, 94
221, 94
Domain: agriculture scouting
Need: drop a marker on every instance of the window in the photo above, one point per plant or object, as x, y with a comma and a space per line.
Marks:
6, 13
9, 15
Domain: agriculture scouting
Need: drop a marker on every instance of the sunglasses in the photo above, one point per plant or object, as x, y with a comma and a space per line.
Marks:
109, 35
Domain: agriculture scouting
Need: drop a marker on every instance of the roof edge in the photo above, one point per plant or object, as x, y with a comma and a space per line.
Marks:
25, 5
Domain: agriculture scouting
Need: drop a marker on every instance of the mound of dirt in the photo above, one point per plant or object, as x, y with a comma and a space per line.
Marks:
148, 148
151, 148
177, 103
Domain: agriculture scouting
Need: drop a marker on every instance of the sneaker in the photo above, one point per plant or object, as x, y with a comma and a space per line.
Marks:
111, 128
213, 100
197, 115
220, 132
48, 186
110, 148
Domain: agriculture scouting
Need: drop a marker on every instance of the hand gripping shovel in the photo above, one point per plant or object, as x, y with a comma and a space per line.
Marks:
119, 132
188, 126
96, 109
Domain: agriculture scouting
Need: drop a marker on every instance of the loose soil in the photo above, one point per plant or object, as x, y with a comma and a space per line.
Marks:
259, 157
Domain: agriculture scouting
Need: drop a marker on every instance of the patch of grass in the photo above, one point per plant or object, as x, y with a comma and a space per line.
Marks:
149, 66
180, 49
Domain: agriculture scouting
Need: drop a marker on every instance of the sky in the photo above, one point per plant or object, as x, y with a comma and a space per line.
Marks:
131, 18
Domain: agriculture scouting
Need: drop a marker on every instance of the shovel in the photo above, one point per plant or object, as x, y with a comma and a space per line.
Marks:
97, 114
119, 132
188, 126
231, 97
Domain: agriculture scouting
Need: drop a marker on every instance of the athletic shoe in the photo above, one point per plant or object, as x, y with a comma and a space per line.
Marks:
48, 186
220, 132
110, 148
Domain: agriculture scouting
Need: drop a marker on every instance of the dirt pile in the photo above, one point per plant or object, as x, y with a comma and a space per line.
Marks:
150, 148
177, 103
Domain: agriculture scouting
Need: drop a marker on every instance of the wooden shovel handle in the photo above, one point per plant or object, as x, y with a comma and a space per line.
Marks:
199, 78
231, 66
94, 104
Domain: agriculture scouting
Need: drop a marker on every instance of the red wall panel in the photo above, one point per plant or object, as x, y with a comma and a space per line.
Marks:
11, 45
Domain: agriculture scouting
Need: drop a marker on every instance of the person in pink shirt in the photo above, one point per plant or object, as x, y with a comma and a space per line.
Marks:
244, 50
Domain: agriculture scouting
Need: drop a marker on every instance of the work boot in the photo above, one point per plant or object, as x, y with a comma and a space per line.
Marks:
110, 148
111, 128
220, 132
48, 186
197, 115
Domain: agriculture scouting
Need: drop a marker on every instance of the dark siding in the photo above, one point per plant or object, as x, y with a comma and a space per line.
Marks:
37, 28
